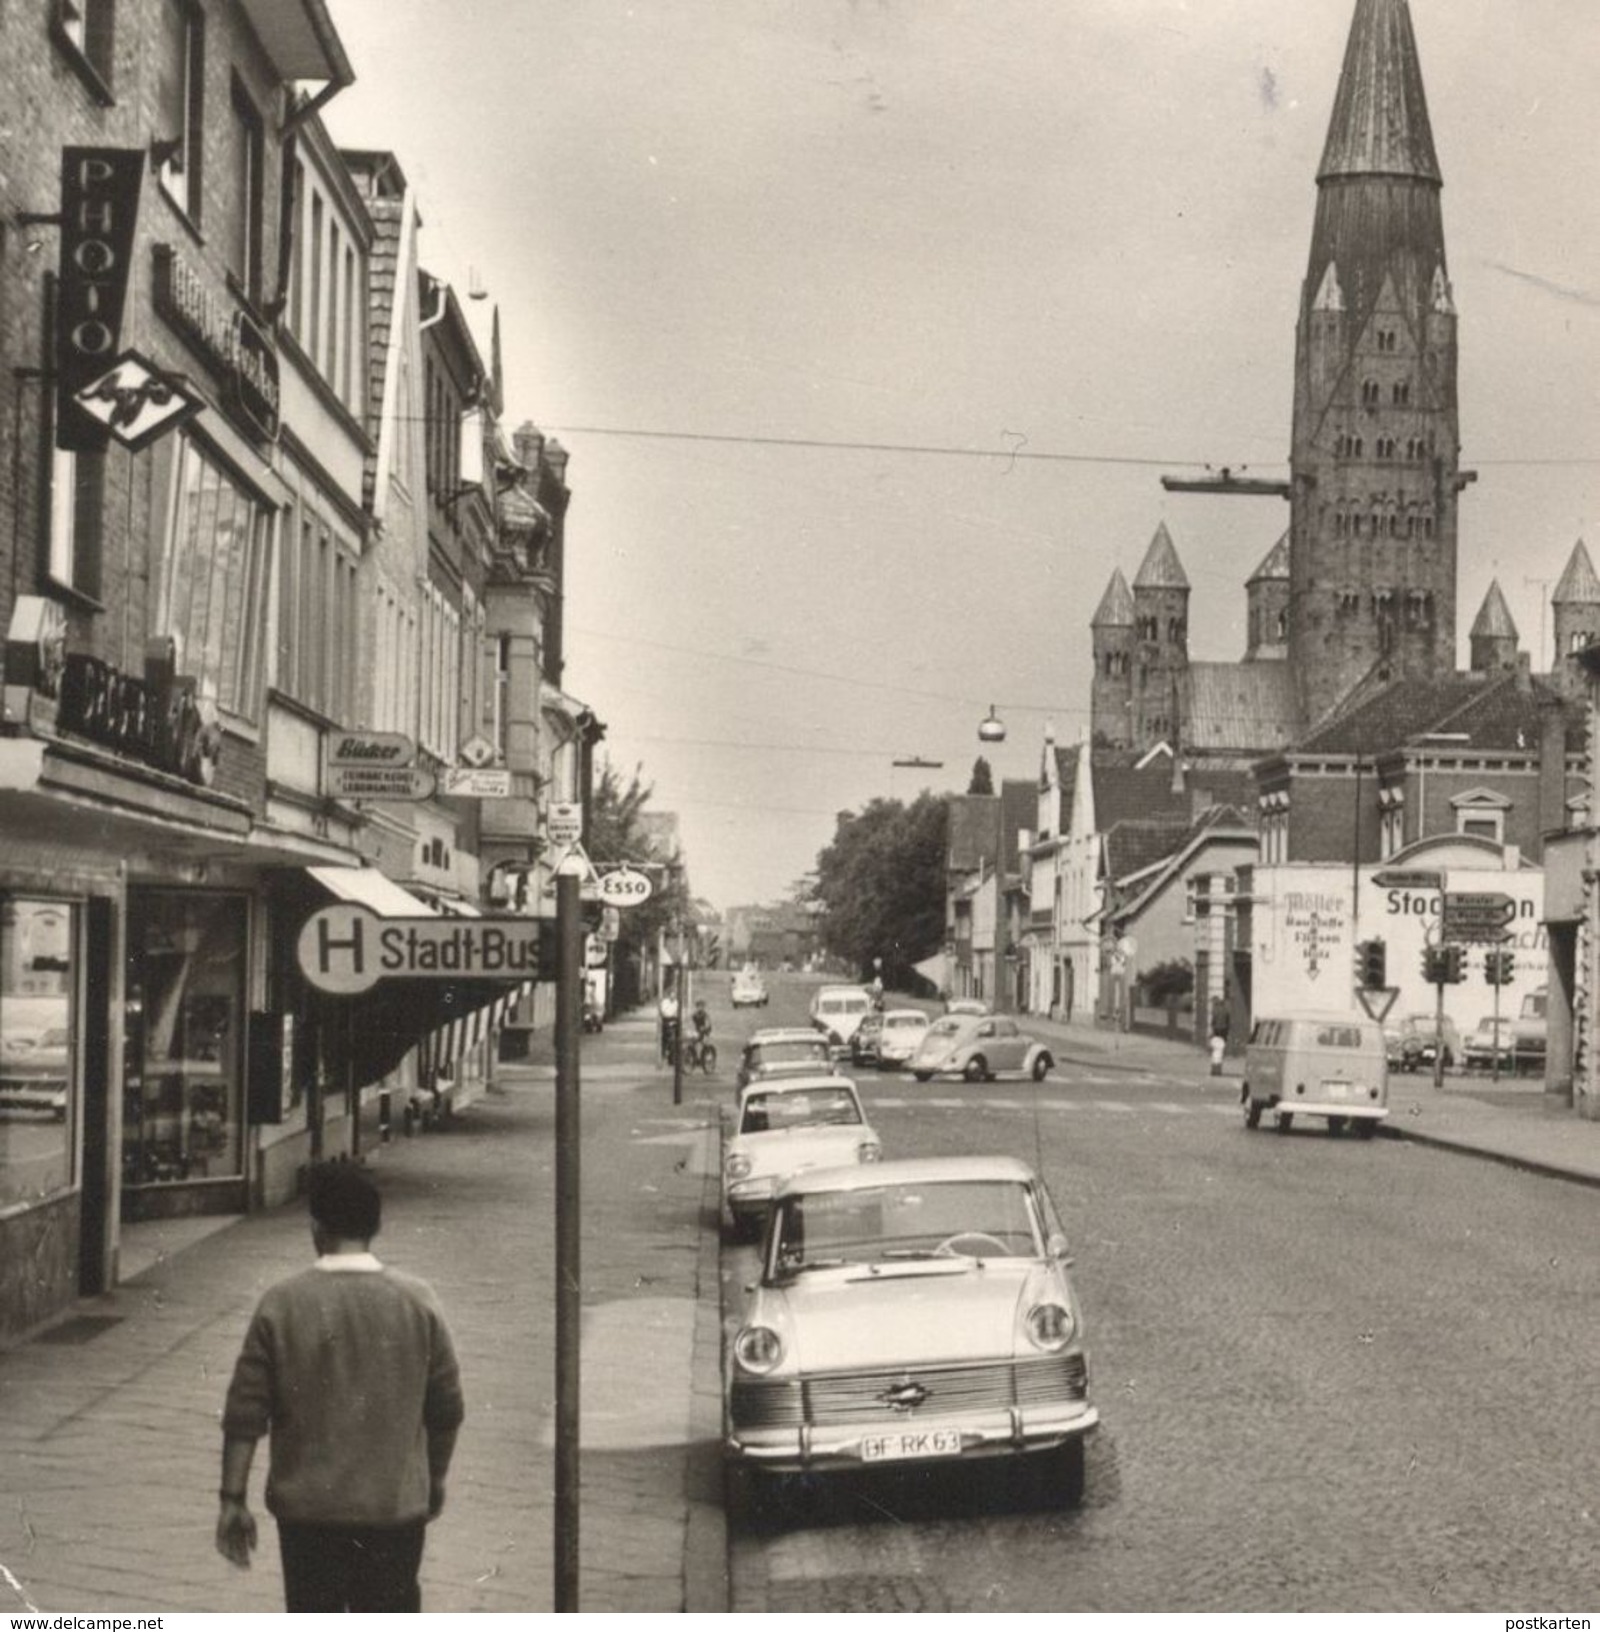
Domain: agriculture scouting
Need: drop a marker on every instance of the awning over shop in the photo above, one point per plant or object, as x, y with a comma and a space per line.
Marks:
368, 1036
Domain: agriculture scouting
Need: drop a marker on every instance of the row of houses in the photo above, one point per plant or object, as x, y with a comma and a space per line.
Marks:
282, 593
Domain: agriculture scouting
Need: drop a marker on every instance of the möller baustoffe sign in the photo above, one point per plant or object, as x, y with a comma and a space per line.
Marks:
347, 949
99, 201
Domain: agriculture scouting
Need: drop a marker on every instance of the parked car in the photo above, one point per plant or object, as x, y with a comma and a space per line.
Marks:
903, 1030
786, 1127
978, 1047
1530, 1030
749, 990
1411, 1042
1330, 1065
791, 1051
836, 1011
916, 1311
866, 1039
35, 1070
1490, 1042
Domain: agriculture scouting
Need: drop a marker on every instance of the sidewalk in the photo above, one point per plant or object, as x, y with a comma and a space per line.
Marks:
109, 1439
1513, 1121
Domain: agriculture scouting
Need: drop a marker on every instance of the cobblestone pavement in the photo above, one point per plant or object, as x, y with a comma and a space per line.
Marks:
108, 1423
1334, 1375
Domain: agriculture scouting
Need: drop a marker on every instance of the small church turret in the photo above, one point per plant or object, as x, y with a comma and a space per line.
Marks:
1111, 695
1493, 638
1575, 608
1161, 642
1267, 606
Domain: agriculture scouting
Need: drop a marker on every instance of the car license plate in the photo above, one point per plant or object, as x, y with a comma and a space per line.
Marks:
899, 1447
1338, 1088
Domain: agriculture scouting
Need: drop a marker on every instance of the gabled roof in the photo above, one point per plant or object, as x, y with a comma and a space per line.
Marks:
1578, 583
1161, 568
1275, 563
1242, 706
1133, 885
1494, 617
971, 834
1067, 779
1497, 712
1125, 791
1020, 803
1131, 846
1380, 122
1116, 605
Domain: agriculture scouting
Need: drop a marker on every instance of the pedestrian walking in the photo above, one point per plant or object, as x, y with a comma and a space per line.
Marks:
349, 1367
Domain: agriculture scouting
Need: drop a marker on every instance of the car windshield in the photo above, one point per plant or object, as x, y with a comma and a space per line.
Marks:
800, 1108
801, 1048
905, 1221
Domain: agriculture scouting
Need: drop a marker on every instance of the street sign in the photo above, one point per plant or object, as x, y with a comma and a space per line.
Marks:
1399, 879
136, 402
564, 823
346, 949
1377, 1001
1477, 915
625, 887
379, 782
472, 783
477, 752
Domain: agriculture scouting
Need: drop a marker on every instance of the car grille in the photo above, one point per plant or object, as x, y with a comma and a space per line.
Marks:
838, 1399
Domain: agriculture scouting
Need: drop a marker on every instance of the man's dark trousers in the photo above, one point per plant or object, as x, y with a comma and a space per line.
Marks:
362, 1568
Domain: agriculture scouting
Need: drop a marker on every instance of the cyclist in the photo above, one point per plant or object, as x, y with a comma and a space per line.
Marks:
701, 1019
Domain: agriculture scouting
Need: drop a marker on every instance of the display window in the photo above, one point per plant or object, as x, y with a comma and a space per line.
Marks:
184, 1036
38, 1048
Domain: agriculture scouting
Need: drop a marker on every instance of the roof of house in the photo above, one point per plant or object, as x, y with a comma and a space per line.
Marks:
1125, 790
1248, 706
970, 840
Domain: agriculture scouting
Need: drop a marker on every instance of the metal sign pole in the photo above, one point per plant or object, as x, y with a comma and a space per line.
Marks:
569, 1020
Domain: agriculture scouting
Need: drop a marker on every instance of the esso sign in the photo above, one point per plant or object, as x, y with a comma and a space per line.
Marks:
625, 887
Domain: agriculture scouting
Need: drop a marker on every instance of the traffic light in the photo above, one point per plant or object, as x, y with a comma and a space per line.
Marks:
1499, 965
1372, 964
1433, 965
1455, 964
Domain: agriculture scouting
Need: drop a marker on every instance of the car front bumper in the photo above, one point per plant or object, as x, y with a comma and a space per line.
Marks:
1005, 1432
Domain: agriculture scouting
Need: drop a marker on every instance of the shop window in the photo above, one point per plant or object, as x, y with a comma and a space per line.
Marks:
84, 29
38, 1049
180, 104
184, 1037
213, 597
77, 509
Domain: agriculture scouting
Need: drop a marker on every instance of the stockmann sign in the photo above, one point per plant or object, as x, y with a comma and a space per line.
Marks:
346, 949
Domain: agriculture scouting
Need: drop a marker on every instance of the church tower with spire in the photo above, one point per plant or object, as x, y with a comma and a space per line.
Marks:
1575, 606
1375, 458
1160, 643
1111, 694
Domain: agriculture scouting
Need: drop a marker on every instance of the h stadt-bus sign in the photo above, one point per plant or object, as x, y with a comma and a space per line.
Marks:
347, 949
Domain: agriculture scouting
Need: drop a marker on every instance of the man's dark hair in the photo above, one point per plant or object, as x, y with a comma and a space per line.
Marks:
345, 1201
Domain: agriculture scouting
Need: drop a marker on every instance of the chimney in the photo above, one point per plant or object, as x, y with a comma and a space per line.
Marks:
1524, 673
1178, 783
1552, 807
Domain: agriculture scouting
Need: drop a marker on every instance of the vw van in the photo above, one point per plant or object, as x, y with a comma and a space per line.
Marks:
1330, 1065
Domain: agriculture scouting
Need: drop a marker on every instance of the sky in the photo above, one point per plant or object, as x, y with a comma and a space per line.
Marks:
870, 327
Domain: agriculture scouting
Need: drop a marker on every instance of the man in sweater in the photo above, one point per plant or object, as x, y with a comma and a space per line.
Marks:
350, 1367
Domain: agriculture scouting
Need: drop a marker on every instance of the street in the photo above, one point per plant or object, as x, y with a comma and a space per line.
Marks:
1332, 1375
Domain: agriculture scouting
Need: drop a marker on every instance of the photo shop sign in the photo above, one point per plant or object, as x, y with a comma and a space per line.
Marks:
99, 202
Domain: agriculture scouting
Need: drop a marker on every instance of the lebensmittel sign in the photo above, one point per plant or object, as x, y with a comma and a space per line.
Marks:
347, 949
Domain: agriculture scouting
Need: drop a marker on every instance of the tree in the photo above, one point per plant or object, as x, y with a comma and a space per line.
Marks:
881, 883
982, 777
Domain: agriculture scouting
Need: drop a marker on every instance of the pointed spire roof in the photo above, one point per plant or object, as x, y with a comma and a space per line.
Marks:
1116, 605
1578, 584
1161, 568
1380, 113
1275, 564
1494, 617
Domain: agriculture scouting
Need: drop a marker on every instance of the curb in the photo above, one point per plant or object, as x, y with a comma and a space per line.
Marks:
1523, 1164
706, 1583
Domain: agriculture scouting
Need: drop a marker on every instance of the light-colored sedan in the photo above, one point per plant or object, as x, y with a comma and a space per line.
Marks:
978, 1047
917, 1311
903, 1030
787, 1127
783, 1052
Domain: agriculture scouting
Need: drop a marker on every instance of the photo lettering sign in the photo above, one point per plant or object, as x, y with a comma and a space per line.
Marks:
99, 201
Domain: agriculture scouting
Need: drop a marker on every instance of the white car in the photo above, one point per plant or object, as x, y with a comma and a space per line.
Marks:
787, 1127
916, 1311
978, 1047
903, 1030
749, 990
836, 1011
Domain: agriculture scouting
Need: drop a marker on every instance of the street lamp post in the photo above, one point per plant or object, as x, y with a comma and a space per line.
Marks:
992, 730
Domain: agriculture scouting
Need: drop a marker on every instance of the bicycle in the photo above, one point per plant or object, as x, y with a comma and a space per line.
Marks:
699, 1053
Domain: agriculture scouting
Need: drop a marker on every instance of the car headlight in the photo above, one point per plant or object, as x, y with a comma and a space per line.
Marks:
1050, 1326
869, 1150
738, 1167
758, 1349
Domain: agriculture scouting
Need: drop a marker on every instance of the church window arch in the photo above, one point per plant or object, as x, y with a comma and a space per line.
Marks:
1400, 396
1369, 393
